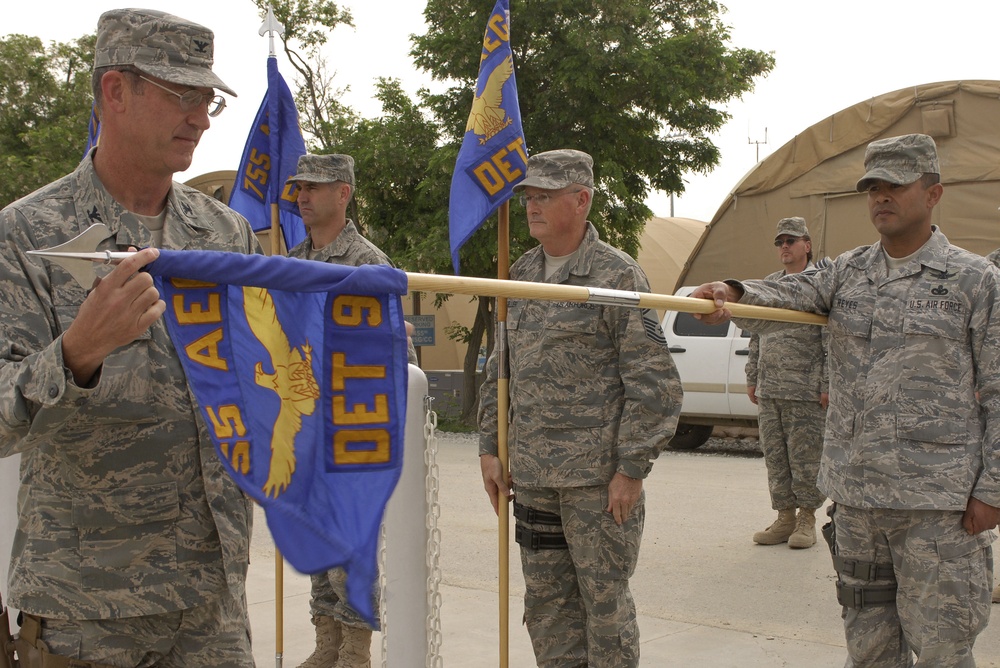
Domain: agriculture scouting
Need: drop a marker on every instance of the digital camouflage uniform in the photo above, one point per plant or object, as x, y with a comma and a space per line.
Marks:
788, 368
593, 391
124, 508
906, 443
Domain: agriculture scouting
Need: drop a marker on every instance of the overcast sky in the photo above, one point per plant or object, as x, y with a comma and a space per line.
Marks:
828, 56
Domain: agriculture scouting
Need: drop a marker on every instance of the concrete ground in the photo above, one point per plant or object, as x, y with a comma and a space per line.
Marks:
707, 596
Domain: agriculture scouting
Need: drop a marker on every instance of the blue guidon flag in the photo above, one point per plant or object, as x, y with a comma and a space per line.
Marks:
300, 371
270, 156
493, 157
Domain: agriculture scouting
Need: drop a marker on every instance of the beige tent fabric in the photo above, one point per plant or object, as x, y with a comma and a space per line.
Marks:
665, 247
814, 175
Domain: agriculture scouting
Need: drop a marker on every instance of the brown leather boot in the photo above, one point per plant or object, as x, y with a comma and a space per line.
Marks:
805, 530
355, 648
328, 638
779, 531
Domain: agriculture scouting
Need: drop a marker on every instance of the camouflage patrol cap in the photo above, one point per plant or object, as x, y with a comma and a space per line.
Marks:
900, 160
793, 227
161, 45
324, 168
553, 170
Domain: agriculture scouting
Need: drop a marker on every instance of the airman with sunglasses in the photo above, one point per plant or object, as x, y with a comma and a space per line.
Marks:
787, 379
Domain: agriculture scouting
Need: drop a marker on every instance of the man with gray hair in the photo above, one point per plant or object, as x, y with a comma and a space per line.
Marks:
787, 380
132, 542
594, 397
911, 459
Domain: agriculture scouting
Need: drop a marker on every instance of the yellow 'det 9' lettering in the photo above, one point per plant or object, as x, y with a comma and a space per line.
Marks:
349, 310
361, 414
497, 172
377, 451
342, 371
205, 351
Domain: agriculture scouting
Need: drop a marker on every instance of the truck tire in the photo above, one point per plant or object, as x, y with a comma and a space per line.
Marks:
690, 436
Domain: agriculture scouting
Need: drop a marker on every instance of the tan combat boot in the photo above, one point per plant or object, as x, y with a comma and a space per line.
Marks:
328, 639
779, 531
996, 594
805, 530
355, 648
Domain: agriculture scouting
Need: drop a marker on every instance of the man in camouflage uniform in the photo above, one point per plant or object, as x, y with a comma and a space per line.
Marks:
909, 458
786, 378
326, 185
594, 396
994, 257
132, 541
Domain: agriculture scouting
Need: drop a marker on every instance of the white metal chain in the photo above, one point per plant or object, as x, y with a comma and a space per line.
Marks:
381, 596
433, 657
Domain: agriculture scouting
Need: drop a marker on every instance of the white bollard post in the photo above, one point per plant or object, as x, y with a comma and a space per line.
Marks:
406, 571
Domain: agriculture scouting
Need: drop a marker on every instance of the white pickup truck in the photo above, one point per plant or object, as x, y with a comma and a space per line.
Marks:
711, 361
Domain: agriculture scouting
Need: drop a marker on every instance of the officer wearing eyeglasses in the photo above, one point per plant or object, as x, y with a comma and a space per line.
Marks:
132, 542
787, 379
594, 397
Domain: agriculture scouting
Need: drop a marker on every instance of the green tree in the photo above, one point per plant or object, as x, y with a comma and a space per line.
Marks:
635, 83
45, 103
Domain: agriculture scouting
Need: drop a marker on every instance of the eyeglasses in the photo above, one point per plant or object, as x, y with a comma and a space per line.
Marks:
542, 199
192, 99
787, 241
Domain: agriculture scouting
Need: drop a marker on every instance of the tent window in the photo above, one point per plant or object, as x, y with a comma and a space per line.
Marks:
938, 119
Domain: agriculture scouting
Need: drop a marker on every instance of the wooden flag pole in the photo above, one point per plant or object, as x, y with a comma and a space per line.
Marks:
503, 403
491, 287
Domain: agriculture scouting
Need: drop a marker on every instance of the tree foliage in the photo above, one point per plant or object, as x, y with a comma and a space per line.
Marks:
45, 103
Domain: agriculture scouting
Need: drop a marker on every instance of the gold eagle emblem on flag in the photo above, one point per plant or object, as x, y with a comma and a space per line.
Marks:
291, 378
487, 117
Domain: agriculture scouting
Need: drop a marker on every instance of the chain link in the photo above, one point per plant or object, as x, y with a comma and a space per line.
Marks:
381, 596
433, 658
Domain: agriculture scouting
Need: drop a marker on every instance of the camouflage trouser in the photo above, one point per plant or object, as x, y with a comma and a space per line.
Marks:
329, 598
577, 604
215, 634
944, 578
791, 436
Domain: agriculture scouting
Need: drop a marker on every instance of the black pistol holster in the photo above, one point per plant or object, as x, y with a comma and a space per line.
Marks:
538, 540
858, 596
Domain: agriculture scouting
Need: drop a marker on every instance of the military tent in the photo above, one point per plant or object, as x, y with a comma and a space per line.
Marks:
814, 176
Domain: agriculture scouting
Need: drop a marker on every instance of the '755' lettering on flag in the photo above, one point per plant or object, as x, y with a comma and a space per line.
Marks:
300, 371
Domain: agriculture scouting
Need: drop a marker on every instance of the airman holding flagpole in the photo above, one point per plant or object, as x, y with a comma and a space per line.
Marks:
133, 543
594, 396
